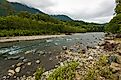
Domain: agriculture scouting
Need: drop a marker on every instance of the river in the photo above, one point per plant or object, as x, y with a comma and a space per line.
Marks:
53, 46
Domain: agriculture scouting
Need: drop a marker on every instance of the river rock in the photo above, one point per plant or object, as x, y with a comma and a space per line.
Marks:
22, 58
17, 70
48, 41
64, 47
118, 35
90, 58
50, 59
41, 52
27, 52
56, 44
29, 63
61, 64
38, 61
13, 57
11, 72
83, 51
4, 77
25, 60
115, 67
19, 64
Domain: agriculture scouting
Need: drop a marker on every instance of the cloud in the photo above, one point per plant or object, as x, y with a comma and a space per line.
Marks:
88, 10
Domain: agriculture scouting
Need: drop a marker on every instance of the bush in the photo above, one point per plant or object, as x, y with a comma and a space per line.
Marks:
66, 72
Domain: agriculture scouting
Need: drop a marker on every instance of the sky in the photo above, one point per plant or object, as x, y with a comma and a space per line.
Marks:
99, 11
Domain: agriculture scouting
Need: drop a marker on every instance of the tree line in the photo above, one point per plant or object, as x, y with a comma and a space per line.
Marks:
25, 23
114, 25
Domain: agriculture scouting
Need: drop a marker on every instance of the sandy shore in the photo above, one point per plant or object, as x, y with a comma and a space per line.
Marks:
26, 38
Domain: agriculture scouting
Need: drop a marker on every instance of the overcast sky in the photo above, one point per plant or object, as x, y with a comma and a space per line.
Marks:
88, 10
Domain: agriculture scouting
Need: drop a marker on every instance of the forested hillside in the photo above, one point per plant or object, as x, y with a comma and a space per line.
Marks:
20, 20
62, 17
115, 24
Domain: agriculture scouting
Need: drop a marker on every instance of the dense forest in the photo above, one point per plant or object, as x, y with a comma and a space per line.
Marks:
27, 21
114, 25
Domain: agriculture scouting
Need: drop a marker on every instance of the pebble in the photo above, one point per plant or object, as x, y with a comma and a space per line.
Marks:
50, 59
22, 58
48, 41
4, 77
11, 72
25, 60
64, 47
90, 58
38, 61
42, 52
29, 63
56, 44
17, 70
115, 67
19, 64
13, 57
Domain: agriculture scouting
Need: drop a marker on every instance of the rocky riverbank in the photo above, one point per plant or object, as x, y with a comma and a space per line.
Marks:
102, 62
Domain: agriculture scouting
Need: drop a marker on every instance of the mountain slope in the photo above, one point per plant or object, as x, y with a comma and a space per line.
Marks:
7, 8
20, 7
62, 17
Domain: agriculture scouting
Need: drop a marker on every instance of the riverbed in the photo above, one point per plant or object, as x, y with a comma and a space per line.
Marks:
44, 51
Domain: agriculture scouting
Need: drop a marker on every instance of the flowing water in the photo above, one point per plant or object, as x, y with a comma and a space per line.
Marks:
52, 45
85, 39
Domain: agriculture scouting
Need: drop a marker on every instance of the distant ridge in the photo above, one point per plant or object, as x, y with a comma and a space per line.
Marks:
21, 7
62, 17
7, 8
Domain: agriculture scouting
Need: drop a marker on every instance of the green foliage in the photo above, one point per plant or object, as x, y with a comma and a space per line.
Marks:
100, 69
66, 72
118, 9
38, 73
115, 25
22, 25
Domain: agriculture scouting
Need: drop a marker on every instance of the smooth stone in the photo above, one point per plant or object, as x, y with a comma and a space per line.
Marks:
18, 69
56, 44
13, 57
29, 63
13, 66
27, 52
42, 52
11, 72
4, 77
61, 64
19, 64
38, 61
22, 58
25, 60
64, 47
50, 59
90, 58
115, 67
48, 41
